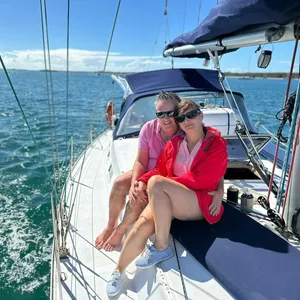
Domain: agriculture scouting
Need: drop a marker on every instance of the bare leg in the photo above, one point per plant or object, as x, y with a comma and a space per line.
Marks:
117, 198
132, 212
136, 239
170, 199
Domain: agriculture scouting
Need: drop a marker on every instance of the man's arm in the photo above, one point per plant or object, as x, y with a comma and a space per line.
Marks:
139, 168
140, 164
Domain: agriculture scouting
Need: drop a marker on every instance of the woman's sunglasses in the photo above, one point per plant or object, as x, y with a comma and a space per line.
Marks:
163, 114
190, 115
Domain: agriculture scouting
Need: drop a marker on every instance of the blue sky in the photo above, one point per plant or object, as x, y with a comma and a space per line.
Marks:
139, 25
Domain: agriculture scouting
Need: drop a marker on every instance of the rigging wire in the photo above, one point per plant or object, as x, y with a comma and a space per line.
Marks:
67, 77
285, 100
155, 42
64, 204
91, 124
167, 34
184, 16
180, 272
25, 119
105, 63
199, 12
49, 83
221, 79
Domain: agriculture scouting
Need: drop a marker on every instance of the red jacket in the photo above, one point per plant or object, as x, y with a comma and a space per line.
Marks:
208, 167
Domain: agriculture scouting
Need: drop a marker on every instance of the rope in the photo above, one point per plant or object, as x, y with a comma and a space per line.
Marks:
287, 153
291, 168
286, 115
286, 96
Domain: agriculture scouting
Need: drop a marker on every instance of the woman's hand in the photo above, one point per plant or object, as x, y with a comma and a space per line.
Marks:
215, 206
141, 191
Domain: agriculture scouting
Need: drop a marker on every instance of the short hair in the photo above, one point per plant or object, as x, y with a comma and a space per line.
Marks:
186, 105
168, 96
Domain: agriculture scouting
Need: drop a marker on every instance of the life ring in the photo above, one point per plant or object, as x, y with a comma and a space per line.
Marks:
109, 112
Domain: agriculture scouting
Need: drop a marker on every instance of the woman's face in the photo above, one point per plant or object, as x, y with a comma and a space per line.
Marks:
193, 118
165, 111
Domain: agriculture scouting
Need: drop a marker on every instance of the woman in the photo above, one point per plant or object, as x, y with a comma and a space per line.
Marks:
186, 171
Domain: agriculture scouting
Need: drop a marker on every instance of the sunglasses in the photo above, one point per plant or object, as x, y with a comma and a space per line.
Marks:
163, 114
190, 115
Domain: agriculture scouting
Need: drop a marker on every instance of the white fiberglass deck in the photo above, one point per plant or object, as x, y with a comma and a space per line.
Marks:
88, 269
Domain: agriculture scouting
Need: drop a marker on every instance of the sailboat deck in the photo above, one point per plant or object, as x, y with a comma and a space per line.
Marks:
87, 270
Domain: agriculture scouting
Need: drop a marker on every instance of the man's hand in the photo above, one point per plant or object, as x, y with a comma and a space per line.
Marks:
141, 191
217, 197
133, 191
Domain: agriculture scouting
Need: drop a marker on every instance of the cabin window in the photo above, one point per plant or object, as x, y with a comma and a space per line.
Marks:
143, 110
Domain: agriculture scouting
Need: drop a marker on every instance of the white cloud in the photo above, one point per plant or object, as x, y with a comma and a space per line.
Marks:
235, 70
84, 60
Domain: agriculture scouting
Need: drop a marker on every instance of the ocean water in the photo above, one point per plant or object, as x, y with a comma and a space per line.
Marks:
25, 187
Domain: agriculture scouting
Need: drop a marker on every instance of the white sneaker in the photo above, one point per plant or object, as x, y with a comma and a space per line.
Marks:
114, 285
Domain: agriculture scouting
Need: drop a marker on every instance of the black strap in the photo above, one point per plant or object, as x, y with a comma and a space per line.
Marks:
294, 223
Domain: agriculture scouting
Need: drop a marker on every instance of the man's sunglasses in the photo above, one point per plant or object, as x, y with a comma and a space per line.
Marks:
163, 114
190, 115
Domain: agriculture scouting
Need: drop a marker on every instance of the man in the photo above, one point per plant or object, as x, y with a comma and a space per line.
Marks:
152, 139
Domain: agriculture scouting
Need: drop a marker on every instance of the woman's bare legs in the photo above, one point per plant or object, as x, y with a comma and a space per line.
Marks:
170, 199
136, 239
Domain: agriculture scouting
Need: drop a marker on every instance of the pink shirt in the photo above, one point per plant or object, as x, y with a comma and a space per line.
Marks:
150, 139
184, 158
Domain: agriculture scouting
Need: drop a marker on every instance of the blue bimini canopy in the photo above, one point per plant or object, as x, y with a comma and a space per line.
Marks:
174, 80
168, 80
231, 16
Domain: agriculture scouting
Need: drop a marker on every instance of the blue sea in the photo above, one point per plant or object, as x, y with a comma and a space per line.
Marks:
25, 187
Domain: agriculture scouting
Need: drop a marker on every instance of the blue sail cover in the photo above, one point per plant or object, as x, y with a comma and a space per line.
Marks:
230, 16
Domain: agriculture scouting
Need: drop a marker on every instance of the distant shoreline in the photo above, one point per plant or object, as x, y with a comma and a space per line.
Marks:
279, 75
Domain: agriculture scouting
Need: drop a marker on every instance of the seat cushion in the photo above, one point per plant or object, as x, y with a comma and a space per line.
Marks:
249, 260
